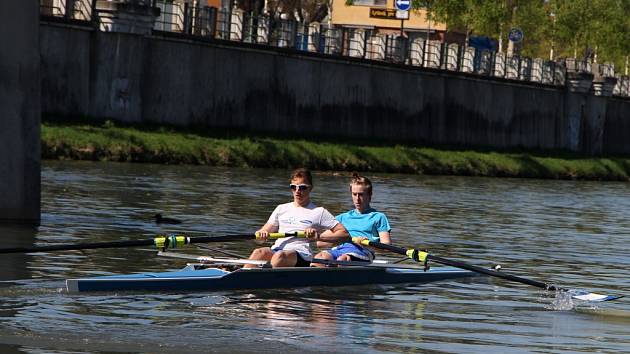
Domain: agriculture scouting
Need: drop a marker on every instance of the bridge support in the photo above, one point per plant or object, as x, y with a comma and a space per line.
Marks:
20, 86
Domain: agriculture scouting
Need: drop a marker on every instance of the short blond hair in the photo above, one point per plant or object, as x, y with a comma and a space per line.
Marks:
357, 179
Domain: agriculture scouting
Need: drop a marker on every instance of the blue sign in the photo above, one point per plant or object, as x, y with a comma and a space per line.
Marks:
515, 35
402, 5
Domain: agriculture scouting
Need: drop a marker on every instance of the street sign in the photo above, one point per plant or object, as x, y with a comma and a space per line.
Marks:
402, 5
515, 35
402, 15
387, 14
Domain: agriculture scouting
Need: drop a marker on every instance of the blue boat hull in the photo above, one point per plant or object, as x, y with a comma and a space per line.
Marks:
213, 279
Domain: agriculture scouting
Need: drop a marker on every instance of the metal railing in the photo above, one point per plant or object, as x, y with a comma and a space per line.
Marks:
80, 10
189, 18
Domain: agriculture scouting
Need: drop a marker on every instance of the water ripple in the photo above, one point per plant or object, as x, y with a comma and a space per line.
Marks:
569, 233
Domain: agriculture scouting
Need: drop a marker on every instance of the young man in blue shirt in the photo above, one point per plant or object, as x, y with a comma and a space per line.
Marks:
362, 222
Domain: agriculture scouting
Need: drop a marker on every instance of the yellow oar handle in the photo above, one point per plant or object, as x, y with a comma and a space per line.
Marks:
171, 241
176, 241
359, 241
276, 235
416, 255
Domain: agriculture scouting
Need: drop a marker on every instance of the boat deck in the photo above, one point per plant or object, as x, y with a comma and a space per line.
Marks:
213, 279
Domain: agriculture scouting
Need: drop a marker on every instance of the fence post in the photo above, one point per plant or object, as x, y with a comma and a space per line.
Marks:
195, 25
403, 50
212, 17
344, 38
366, 34
294, 31
229, 20
94, 14
69, 9
505, 67
424, 53
244, 26
186, 19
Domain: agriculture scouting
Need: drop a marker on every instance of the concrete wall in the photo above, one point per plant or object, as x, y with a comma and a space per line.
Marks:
65, 69
20, 111
617, 127
137, 78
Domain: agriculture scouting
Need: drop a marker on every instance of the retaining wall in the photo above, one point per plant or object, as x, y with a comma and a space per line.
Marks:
182, 81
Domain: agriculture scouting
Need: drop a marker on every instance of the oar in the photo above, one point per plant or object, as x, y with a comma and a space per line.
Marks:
423, 257
160, 242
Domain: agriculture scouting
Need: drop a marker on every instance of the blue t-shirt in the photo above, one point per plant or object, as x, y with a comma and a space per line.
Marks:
368, 224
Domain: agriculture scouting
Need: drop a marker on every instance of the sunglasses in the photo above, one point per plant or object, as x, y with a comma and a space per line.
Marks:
300, 187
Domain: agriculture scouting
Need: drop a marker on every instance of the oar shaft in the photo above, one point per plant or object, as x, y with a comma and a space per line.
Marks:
79, 246
462, 265
170, 241
490, 272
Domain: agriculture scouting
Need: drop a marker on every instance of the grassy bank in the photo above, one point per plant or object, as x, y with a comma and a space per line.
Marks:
110, 142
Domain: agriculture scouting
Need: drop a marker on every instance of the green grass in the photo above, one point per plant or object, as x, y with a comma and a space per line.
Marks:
111, 142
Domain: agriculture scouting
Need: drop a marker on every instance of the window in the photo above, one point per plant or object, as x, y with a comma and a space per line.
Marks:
379, 3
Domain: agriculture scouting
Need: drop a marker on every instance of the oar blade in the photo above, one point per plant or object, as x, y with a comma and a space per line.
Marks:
592, 297
422, 256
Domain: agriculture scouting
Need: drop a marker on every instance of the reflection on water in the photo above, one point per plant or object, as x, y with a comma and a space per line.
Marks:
570, 233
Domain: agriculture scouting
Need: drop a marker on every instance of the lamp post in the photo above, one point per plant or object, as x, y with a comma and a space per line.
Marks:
553, 35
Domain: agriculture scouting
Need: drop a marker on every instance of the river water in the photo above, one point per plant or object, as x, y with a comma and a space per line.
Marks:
571, 233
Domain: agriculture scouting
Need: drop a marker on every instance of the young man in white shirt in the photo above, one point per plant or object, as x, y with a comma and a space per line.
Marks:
299, 215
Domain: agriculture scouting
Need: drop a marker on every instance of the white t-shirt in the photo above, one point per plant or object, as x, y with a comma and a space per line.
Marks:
291, 218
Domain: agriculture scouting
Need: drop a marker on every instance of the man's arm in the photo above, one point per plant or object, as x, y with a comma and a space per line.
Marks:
333, 236
264, 231
384, 237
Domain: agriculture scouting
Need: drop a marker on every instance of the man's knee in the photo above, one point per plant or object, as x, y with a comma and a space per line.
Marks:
322, 255
261, 253
284, 259
344, 258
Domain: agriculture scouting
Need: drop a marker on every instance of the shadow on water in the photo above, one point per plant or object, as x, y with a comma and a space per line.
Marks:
13, 266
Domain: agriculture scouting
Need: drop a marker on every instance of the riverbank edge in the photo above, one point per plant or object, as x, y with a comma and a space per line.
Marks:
112, 141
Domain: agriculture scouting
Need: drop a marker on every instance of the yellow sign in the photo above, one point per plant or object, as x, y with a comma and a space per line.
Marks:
388, 14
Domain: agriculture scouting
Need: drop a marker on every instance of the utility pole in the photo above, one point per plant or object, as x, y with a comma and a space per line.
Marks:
553, 35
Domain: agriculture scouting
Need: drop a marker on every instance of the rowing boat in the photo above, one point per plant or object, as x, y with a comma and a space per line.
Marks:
200, 277
194, 278
204, 278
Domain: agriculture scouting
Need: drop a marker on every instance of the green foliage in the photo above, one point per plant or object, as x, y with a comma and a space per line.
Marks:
111, 142
575, 27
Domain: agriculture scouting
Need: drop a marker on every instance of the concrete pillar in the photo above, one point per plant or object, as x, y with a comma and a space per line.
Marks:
262, 30
356, 43
603, 85
416, 51
128, 16
432, 54
499, 65
236, 25
525, 72
578, 85
20, 106
511, 67
377, 44
548, 72
452, 53
537, 70
468, 60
